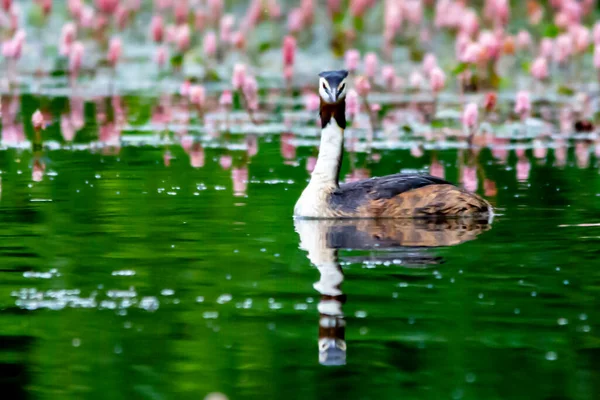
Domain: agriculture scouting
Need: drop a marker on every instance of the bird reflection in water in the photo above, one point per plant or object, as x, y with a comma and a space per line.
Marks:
407, 240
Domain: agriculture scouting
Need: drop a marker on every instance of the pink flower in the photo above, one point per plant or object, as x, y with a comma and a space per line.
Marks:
197, 156
273, 8
181, 10
13, 48
289, 50
215, 7
469, 178
523, 40
157, 28
334, 6
371, 62
87, 17
107, 6
114, 51
437, 79
67, 37
161, 56
251, 145
66, 128
253, 14
469, 23
122, 16
539, 150
76, 57
362, 85
389, 76
250, 90
352, 103
561, 20
182, 38
226, 99
197, 95
490, 44
563, 48
523, 168
184, 89
352, 59
596, 33
392, 20
226, 28
295, 20
470, 116
225, 161
539, 69
597, 56
210, 44
471, 54
546, 47
239, 76
413, 10
461, 43
6, 5
37, 173
46, 6
8, 49
416, 151
167, 157
37, 120
308, 10
501, 11
572, 10
429, 63
311, 162
415, 80
436, 169
522, 103
581, 38
238, 40
489, 101
311, 102
358, 7
239, 176
75, 8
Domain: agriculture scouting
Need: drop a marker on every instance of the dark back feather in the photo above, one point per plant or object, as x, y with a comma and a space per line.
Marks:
350, 196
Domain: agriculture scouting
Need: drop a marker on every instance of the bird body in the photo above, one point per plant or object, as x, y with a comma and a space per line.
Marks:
392, 196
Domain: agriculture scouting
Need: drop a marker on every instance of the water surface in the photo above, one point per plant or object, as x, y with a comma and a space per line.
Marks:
126, 278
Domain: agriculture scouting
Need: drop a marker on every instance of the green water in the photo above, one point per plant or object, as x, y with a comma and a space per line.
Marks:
176, 288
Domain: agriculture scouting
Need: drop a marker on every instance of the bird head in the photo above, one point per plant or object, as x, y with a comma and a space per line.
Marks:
332, 86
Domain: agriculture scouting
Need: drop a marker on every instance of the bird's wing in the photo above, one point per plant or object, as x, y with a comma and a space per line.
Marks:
350, 196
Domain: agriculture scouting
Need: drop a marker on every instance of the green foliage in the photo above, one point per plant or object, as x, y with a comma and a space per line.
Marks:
565, 90
460, 68
551, 31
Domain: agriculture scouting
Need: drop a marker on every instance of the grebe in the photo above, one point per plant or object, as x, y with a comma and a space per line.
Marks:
392, 196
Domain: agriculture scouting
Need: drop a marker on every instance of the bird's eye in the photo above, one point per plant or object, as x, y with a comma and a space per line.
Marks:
324, 87
342, 87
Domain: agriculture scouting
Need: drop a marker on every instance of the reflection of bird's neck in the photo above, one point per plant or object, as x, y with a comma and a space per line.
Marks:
333, 123
332, 325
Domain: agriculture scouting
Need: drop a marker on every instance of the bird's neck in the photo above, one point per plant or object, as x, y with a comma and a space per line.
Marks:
329, 161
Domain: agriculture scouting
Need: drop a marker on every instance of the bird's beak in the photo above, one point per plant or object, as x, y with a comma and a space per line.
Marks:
333, 93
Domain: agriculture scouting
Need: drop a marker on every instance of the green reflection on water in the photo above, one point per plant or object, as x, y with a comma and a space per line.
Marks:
222, 298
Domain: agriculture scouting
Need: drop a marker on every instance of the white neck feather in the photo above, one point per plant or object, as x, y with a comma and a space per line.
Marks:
330, 155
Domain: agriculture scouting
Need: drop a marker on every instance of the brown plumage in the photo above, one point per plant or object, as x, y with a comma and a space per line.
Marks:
429, 201
404, 196
335, 110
